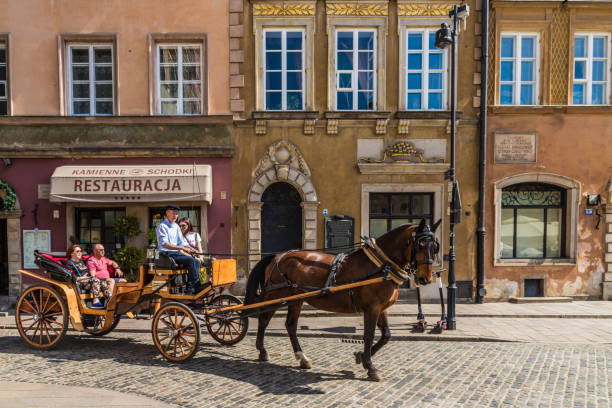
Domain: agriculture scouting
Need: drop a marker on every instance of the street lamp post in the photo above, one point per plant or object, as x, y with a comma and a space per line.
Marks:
445, 37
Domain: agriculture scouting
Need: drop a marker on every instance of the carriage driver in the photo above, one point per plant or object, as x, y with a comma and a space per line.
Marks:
170, 241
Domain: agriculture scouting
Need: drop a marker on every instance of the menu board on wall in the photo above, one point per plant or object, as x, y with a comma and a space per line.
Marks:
35, 240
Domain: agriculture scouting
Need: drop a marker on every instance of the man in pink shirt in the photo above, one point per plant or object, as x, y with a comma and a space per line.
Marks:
98, 266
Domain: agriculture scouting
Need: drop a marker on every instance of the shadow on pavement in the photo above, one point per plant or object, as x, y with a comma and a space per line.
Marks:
211, 359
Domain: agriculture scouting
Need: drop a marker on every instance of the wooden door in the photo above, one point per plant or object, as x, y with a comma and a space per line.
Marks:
281, 218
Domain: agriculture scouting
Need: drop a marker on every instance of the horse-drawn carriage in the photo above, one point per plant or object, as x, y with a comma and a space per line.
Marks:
44, 310
364, 281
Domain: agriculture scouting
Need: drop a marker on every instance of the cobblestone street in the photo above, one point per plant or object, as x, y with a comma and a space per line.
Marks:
414, 373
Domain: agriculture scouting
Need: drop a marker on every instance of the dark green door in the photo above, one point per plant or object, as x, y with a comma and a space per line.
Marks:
281, 218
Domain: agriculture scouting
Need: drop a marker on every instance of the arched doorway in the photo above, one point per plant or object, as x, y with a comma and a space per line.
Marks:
281, 218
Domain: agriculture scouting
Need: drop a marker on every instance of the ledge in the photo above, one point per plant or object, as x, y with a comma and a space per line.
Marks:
550, 109
403, 168
117, 120
535, 262
426, 115
285, 115
357, 115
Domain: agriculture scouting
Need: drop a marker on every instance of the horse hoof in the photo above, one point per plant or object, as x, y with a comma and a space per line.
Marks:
373, 376
305, 364
358, 357
263, 357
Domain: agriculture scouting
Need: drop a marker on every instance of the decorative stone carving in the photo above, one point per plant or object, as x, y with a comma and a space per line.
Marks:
260, 127
381, 126
282, 155
332, 126
402, 151
283, 9
403, 127
309, 126
356, 9
424, 9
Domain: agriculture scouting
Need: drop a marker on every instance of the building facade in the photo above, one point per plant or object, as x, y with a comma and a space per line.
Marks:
549, 131
342, 125
109, 110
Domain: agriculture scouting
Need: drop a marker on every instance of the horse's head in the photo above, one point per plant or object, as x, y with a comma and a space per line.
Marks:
425, 246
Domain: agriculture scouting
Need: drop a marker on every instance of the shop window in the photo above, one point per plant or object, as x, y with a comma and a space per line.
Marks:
157, 215
179, 79
425, 71
519, 69
591, 69
390, 210
96, 226
355, 69
3, 80
283, 63
90, 79
533, 221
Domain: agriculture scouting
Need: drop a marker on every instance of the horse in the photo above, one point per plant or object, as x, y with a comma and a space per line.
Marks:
407, 250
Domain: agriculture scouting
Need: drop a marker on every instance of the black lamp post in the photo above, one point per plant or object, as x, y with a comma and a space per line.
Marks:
444, 37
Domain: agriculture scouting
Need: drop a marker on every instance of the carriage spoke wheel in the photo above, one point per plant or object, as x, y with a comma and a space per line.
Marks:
226, 327
96, 329
176, 332
41, 317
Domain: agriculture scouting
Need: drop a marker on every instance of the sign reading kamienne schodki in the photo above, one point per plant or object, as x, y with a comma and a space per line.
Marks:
515, 147
131, 183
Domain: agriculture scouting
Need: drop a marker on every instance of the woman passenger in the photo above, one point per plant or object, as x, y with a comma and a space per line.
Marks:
85, 280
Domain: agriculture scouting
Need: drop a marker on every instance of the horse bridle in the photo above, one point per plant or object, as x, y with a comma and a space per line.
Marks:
423, 237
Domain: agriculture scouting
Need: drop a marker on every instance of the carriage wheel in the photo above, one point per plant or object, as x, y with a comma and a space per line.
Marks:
176, 332
96, 327
226, 327
41, 317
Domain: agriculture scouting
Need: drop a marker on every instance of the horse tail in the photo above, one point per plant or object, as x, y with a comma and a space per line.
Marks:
256, 280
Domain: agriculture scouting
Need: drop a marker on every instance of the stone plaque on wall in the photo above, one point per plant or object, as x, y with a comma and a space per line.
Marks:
43, 191
515, 147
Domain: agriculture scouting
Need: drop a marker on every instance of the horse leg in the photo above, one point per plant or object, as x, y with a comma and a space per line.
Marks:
383, 325
263, 321
293, 313
365, 358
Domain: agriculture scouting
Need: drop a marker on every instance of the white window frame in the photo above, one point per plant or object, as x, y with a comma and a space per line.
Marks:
179, 100
518, 36
588, 81
424, 71
92, 78
4, 98
355, 71
283, 70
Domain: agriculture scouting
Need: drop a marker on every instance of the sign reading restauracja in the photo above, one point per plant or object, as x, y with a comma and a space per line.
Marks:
130, 183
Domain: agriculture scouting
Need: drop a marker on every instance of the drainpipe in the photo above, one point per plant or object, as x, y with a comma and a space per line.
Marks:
482, 169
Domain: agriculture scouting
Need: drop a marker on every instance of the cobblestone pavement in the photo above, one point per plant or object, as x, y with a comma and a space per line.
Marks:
427, 374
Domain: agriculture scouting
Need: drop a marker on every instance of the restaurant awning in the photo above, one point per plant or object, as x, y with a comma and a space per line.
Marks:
138, 183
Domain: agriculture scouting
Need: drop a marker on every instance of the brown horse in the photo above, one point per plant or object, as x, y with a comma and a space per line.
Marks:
410, 247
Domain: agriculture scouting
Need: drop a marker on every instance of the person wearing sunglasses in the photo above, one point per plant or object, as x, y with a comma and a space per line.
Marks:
193, 238
85, 279
98, 266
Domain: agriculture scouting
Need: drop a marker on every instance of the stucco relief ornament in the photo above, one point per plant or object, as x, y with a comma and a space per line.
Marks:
282, 9
283, 156
424, 9
402, 152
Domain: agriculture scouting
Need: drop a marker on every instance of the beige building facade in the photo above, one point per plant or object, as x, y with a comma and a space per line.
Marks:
342, 123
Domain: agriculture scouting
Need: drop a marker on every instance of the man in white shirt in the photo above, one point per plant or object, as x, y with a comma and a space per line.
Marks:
171, 242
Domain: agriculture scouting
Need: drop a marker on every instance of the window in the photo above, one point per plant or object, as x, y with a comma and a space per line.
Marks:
591, 69
533, 221
355, 74
390, 210
96, 226
3, 81
179, 79
518, 77
284, 69
90, 78
425, 71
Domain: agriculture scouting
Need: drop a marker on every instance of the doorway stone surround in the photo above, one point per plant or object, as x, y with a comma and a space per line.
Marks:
607, 280
13, 232
282, 162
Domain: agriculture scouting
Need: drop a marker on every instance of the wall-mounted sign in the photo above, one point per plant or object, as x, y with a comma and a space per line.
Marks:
339, 233
43, 191
588, 211
35, 240
515, 147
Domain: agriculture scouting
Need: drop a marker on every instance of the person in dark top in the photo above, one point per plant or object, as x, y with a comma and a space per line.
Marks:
85, 280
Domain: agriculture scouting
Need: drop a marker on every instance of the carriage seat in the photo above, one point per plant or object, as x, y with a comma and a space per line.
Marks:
167, 266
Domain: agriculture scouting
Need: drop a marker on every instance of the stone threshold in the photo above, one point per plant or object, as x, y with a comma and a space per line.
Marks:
560, 299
